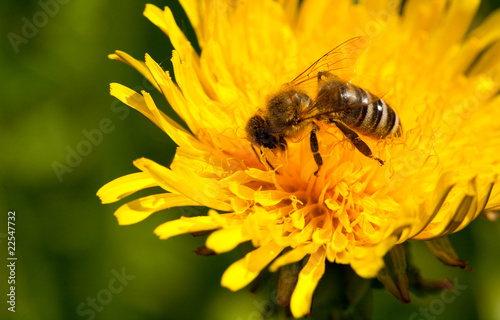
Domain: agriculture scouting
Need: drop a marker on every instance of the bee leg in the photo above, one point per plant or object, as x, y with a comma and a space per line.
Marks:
356, 140
282, 143
267, 161
315, 150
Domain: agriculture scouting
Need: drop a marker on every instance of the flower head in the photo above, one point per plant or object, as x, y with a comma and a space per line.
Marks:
438, 176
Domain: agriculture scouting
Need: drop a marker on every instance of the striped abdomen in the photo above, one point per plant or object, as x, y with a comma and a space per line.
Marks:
360, 110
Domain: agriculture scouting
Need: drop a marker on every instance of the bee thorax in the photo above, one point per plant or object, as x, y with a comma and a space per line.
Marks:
284, 110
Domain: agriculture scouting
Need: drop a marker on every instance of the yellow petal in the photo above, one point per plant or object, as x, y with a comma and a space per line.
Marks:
145, 105
198, 100
125, 186
454, 25
243, 271
291, 8
224, 240
191, 9
293, 255
200, 190
367, 261
185, 225
428, 209
175, 131
380, 9
216, 72
160, 77
132, 99
138, 65
266, 198
300, 304
463, 206
142, 208
339, 241
166, 22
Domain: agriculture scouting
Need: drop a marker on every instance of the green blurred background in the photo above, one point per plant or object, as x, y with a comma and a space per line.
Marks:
69, 246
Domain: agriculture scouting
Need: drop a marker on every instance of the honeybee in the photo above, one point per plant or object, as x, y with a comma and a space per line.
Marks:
291, 114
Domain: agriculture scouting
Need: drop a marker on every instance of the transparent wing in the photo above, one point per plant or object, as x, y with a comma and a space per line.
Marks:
339, 61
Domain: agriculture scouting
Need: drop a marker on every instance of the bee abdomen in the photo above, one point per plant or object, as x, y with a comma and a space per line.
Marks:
377, 120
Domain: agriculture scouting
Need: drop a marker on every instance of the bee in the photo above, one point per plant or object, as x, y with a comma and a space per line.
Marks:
291, 114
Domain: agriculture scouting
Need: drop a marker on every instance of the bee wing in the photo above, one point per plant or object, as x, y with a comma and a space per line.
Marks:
340, 61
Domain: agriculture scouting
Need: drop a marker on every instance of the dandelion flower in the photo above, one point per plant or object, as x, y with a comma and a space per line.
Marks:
441, 174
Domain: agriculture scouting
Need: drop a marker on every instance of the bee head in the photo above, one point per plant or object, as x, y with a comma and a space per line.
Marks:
259, 133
